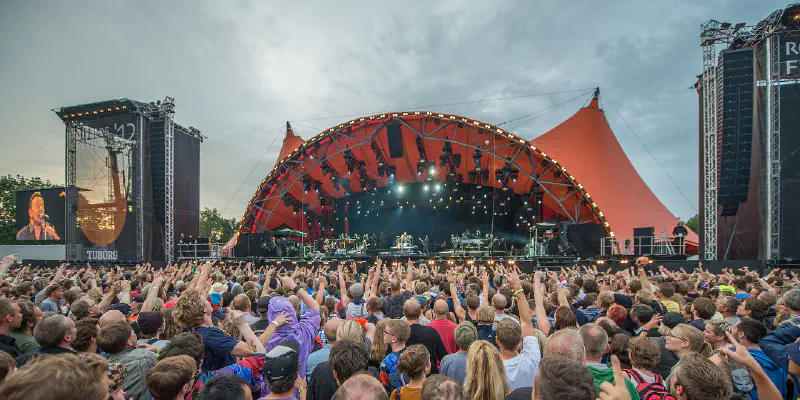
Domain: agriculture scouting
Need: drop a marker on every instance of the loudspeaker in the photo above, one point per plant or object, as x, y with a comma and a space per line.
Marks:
643, 240
736, 127
395, 139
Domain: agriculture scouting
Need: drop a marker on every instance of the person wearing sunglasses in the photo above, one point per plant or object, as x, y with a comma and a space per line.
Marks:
685, 339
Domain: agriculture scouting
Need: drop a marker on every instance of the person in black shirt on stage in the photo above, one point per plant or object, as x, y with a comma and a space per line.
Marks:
679, 232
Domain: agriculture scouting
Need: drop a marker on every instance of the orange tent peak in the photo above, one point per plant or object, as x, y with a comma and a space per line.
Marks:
289, 130
595, 103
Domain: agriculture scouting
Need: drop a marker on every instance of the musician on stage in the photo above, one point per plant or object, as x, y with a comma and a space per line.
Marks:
426, 244
38, 228
680, 233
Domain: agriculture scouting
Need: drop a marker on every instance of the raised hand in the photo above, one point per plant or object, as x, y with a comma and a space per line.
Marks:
617, 391
281, 319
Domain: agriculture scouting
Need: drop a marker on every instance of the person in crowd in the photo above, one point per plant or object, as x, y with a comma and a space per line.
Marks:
225, 387
151, 323
485, 320
347, 359
728, 306
517, 342
685, 339
377, 350
54, 334
281, 373
119, 341
53, 295
7, 365
416, 363
714, 334
595, 341
618, 346
486, 376
559, 377
396, 336
171, 378
441, 387
61, 376
374, 310
454, 365
23, 335
423, 335
362, 387
83, 308
301, 329
393, 306
10, 319
703, 309
696, 377
86, 331
322, 354
667, 292
443, 326
641, 314
749, 332
644, 355
789, 304
192, 311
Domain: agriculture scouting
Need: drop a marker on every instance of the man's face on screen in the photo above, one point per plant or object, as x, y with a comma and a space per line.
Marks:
36, 210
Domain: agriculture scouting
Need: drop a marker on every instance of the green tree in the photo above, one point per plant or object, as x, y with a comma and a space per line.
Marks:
9, 186
213, 225
692, 223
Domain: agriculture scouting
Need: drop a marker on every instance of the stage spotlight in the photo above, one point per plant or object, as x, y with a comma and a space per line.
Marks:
400, 189
392, 171
437, 187
457, 160
432, 170
425, 188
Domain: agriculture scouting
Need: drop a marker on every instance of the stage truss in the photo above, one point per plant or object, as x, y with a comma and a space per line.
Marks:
352, 157
716, 33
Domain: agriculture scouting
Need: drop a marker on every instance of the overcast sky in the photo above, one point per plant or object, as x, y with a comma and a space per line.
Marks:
238, 70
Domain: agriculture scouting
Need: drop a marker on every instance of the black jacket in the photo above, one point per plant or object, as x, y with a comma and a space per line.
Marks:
9, 345
44, 351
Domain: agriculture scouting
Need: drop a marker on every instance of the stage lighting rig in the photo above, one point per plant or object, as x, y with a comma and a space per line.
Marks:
476, 157
392, 170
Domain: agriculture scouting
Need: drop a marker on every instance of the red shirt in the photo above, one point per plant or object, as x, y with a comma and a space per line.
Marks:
446, 330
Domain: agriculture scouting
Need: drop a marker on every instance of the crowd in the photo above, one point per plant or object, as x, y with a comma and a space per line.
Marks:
402, 331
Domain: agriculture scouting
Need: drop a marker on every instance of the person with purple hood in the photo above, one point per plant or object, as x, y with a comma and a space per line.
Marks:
302, 329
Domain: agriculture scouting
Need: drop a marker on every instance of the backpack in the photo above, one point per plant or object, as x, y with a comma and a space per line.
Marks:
650, 391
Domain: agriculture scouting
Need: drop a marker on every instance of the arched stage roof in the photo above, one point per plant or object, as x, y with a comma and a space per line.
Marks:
577, 169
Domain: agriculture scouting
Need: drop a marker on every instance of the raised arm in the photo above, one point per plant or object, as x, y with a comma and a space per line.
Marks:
484, 288
302, 294
152, 294
538, 297
410, 277
525, 321
105, 304
459, 311
764, 387
320, 295
641, 262
342, 286
243, 349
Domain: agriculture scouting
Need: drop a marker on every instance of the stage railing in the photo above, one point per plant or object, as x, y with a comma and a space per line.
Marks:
643, 245
195, 251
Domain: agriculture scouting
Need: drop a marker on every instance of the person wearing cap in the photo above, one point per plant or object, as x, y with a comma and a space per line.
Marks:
454, 365
354, 304
151, 323
281, 372
262, 305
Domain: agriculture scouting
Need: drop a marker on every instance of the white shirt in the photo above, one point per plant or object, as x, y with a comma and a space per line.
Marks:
523, 367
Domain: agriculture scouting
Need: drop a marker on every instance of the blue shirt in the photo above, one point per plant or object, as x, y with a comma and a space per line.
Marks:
218, 348
317, 357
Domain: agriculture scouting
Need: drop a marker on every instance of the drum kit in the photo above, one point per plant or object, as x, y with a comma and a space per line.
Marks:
541, 234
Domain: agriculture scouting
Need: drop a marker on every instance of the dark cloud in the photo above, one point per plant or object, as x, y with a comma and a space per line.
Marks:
238, 70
